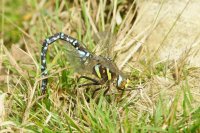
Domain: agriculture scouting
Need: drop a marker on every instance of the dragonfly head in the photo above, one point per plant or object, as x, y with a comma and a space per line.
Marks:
122, 82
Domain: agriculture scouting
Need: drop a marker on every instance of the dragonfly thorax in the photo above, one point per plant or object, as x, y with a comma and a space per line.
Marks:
110, 73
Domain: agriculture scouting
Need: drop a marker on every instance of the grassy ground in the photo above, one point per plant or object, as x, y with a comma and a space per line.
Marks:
151, 41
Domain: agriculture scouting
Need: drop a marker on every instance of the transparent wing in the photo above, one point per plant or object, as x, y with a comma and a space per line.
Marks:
105, 44
76, 63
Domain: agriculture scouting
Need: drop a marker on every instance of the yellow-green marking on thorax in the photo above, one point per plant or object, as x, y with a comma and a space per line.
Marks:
96, 68
108, 74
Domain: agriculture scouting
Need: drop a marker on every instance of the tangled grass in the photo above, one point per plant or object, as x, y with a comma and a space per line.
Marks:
156, 42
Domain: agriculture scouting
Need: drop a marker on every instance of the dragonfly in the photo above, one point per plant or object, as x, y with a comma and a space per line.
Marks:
103, 68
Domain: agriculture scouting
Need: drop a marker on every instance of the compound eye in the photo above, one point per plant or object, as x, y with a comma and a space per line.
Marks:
119, 81
127, 83
122, 83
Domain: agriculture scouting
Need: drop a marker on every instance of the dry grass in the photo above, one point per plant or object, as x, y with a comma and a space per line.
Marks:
156, 42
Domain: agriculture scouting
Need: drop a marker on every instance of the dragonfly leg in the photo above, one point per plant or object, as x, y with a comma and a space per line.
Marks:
98, 90
88, 78
95, 92
94, 81
106, 91
89, 84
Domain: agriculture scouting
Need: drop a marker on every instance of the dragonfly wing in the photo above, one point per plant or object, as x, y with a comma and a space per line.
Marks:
104, 44
76, 62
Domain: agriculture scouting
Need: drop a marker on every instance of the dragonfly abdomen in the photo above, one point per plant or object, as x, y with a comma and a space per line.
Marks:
82, 52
